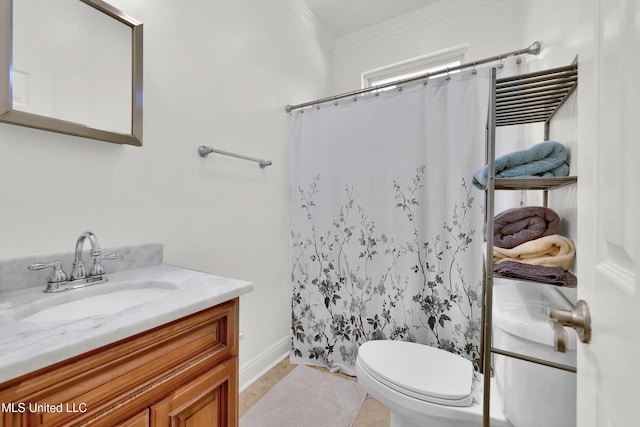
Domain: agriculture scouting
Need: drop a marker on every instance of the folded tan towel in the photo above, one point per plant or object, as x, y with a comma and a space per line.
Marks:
550, 251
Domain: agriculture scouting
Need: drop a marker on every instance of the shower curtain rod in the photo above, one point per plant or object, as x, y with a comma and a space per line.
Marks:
533, 49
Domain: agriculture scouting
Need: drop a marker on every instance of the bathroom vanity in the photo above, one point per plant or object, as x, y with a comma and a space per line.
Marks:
168, 361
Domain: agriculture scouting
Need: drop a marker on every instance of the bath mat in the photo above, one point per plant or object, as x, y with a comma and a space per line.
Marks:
307, 397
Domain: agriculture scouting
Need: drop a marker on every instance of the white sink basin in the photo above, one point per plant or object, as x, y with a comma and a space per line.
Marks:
104, 298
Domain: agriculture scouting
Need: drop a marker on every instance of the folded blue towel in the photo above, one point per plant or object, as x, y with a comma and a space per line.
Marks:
544, 159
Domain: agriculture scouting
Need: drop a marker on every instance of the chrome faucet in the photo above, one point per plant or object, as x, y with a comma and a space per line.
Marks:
79, 278
79, 272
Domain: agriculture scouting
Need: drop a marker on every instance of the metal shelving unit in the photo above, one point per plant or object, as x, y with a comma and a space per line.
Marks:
534, 183
518, 100
572, 279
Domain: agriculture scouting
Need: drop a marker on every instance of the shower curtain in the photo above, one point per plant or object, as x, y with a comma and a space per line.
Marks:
386, 228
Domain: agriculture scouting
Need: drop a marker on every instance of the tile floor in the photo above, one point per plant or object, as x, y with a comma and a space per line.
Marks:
372, 414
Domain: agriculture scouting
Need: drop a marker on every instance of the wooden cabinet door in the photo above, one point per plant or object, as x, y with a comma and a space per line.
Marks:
139, 420
210, 400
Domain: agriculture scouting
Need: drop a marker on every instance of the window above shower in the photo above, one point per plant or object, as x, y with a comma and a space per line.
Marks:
428, 63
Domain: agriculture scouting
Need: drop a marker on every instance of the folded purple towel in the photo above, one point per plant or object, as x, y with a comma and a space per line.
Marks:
539, 273
518, 225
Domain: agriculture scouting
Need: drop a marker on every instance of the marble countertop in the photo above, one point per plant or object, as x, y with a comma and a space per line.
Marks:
26, 347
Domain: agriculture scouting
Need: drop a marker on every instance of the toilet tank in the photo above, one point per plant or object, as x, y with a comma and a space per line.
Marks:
534, 395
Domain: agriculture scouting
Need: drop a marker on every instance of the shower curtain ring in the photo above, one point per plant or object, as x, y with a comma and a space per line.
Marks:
500, 65
335, 100
518, 60
448, 76
474, 71
426, 80
355, 98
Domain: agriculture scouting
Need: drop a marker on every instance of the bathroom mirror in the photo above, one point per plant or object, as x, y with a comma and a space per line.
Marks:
71, 66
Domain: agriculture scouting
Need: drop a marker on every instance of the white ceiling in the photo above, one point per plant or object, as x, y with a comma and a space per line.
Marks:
341, 17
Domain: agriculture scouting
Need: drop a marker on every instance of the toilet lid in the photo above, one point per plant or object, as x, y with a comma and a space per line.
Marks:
420, 371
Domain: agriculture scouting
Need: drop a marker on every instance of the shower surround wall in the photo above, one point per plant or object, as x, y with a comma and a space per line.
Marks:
215, 73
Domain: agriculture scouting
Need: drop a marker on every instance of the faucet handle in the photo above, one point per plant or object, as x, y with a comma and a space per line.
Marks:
97, 269
57, 277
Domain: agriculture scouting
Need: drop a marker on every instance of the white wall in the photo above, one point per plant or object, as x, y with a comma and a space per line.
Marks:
556, 25
216, 73
487, 27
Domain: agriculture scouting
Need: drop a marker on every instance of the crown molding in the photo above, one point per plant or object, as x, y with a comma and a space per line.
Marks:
312, 24
406, 22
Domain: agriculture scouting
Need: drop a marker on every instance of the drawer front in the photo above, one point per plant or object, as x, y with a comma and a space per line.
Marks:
122, 375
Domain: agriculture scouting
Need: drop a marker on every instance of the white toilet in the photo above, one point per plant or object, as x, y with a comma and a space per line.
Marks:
426, 386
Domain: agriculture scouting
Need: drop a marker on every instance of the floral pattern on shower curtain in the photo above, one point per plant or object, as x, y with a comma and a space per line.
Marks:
386, 228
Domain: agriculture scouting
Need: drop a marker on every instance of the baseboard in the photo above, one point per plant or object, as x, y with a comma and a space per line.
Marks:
253, 369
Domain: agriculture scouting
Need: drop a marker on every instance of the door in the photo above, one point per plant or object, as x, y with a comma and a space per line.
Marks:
206, 401
139, 420
608, 234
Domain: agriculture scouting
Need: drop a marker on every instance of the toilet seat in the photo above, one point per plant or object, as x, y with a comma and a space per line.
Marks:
420, 371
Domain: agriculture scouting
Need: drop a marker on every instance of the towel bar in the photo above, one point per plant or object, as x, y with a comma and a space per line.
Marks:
204, 151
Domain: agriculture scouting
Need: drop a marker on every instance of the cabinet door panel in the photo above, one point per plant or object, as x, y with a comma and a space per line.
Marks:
139, 420
208, 401
208, 410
